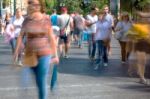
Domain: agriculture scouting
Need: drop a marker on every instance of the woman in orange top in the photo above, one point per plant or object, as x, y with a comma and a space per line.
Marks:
40, 41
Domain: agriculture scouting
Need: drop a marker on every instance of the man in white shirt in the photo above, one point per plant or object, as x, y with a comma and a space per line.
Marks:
65, 22
92, 18
110, 19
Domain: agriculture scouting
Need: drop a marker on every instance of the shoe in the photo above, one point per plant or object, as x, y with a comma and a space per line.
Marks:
96, 67
66, 56
144, 81
105, 64
19, 63
123, 62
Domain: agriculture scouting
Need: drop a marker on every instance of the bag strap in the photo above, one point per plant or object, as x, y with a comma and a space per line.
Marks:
67, 23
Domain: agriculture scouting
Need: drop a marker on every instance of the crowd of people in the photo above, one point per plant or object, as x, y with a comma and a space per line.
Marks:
38, 40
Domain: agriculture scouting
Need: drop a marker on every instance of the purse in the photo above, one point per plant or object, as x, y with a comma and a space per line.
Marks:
118, 35
30, 58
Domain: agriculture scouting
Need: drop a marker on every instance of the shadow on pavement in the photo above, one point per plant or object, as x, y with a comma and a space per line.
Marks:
80, 66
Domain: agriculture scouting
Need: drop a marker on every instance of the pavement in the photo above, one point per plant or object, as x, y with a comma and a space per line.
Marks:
77, 78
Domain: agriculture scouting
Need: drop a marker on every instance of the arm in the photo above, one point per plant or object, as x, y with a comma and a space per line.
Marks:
143, 14
53, 45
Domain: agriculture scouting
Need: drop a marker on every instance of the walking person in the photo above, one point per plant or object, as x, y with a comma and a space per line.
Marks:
79, 25
65, 22
40, 45
56, 31
91, 20
121, 28
102, 38
17, 21
110, 19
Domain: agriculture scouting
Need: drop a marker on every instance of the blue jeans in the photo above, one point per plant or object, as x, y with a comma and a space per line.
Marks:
54, 77
102, 52
13, 44
41, 73
91, 46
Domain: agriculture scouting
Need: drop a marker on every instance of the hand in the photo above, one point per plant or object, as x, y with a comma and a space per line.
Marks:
55, 60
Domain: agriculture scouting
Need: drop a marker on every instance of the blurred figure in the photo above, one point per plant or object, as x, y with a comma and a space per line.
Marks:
7, 19
40, 45
79, 25
121, 28
2, 25
65, 23
17, 21
91, 20
110, 19
56, 31
102, 38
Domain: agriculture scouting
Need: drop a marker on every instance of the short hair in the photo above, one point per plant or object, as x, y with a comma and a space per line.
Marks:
64, 9
54, 11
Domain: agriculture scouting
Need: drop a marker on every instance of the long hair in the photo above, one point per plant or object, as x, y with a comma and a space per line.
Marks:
43, 6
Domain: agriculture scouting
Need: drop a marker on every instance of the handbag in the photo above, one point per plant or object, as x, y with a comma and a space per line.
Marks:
118, 35
30, 58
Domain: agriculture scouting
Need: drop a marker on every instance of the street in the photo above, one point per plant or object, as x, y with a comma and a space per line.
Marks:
77, 78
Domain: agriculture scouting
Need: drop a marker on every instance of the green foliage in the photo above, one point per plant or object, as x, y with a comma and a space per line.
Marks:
78, 5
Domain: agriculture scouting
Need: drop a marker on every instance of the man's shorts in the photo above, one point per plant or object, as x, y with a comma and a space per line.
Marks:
64, 39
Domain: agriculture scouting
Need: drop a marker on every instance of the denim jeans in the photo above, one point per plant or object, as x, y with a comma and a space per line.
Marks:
80, 38
41, 73
91, 46
102, 52
13, 44
54, 77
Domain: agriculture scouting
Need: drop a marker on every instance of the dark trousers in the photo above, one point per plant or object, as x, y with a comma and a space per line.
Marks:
91, 46
102, 52
124, 53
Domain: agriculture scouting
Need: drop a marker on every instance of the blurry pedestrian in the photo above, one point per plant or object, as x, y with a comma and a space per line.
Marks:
91, 20
121, 28
102, 38
79, 25
17, 21
65, 22
110, 19
56, 31
40, 45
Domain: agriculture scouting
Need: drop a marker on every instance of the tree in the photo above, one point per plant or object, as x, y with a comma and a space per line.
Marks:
74, 5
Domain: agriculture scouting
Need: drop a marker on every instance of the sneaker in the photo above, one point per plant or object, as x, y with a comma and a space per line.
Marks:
105, 64
96, 67
19, 63
123, 62
66, 56
145, 82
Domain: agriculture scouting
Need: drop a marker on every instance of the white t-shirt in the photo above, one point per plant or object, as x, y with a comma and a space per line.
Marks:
17, 25
109, 18
103, 30
92, 19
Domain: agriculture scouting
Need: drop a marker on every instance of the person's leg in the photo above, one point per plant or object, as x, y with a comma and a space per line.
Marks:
12, 43
93, 49
123, 49
67, 45
54, 77
89, 45
41, 72
141, 62
105, 53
